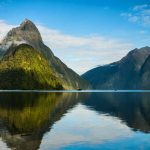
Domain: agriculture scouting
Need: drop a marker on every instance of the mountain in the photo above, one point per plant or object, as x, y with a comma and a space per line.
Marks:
14, 45
131, 72
27, 117
132, 108
145, 74
23, 67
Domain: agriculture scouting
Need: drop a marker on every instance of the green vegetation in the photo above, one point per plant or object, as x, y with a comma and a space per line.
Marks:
23, 67
26, 117
33, 112
28, 112
46, 71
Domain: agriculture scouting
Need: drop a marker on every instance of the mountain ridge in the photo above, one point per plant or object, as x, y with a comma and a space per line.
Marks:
27, 33
124, 74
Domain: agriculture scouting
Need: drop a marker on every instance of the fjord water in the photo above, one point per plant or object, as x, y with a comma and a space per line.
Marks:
74, 120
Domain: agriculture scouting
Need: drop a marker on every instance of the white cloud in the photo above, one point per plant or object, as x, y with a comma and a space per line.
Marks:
139, 14
143, 32
80, 53
84, 53
82, 125
4, 28
140, 7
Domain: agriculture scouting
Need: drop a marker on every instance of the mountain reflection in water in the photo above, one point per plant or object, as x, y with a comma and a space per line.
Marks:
132, 108
27, 119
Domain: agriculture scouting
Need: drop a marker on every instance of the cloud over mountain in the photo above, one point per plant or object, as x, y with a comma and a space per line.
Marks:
73, 49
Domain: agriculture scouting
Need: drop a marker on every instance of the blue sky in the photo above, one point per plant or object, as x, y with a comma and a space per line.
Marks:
83, 33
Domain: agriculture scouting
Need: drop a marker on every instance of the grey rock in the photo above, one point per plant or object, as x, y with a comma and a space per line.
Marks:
28, 33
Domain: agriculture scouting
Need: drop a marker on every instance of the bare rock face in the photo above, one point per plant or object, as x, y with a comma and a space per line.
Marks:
27, 33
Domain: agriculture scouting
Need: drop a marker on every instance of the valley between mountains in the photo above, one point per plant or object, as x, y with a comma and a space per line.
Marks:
27, 63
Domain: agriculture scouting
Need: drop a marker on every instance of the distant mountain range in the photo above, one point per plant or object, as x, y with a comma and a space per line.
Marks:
131, 72
27, 63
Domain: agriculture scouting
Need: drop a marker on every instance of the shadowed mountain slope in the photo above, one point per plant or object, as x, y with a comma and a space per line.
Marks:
123, 74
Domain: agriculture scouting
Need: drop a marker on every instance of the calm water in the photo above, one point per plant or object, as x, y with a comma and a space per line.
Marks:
75, 120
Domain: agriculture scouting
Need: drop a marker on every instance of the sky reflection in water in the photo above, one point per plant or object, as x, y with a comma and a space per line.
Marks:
74, 120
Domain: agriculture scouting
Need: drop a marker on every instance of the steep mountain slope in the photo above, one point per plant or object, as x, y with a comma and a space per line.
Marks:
23, 67
145, 74
28, 33
123, 74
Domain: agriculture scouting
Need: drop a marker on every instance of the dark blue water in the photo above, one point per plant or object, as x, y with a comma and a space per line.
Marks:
48, 120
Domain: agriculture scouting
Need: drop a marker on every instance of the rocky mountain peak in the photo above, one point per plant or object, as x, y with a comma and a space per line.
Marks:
27, 25
27, 33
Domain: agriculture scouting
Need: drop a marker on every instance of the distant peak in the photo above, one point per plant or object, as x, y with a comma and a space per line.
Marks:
27, 32
26, 20
27, 25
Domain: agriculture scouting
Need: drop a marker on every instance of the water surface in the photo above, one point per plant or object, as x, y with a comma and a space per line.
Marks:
31, 120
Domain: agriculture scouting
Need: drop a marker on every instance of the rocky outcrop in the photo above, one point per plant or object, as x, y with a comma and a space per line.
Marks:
27, 33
